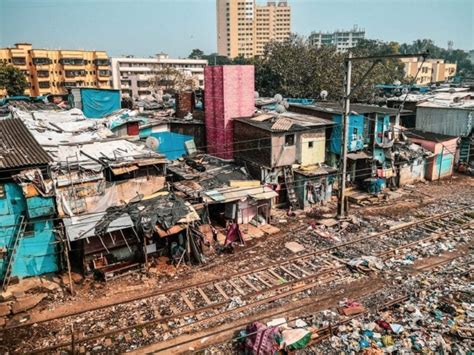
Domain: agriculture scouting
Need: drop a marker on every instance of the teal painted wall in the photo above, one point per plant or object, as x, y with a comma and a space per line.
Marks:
36, 253
446, 163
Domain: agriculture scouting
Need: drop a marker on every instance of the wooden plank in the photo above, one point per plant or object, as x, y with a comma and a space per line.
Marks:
203, 295
221, 291
309, 263
262, 281
337, 259
300, 269
289, 272
234, 285
187, 301
249, 284
279, 277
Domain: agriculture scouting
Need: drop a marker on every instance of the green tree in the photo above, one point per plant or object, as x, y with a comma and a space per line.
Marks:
12, 80
295, 68
196, 54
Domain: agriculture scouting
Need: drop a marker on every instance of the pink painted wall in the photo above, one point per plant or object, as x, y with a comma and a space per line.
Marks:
229, 94
450, 145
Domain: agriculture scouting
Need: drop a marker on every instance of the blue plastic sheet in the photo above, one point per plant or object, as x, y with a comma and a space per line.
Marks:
99, 103
171, 144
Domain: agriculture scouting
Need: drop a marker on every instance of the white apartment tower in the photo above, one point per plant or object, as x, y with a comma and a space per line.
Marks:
341, 39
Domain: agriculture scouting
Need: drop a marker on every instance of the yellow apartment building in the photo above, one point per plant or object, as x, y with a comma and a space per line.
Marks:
244, 27
431, 71
50, 71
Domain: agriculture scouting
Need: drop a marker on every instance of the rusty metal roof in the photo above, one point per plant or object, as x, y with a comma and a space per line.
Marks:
18, 147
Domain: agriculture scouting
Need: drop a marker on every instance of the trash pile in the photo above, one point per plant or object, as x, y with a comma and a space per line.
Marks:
438, 317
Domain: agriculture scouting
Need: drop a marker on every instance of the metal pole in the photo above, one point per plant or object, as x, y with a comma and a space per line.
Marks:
341, 212
440, 164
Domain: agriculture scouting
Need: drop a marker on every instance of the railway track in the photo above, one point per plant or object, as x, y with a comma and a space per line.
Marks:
155, 315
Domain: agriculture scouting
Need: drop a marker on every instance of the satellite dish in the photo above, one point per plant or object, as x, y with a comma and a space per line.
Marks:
152, 143
285, 104
397, 82
280, 108
323, 94
405, 91
166, 97
278, 98
256, 94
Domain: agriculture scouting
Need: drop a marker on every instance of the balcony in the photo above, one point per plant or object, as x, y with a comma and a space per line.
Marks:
19, 61
72, 61
103, 72
74, 73
44, 85
101, 62
42, 61
42, 74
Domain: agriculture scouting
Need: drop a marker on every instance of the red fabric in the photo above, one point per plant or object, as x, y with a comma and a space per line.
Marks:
383, 324
233, 235
261, 340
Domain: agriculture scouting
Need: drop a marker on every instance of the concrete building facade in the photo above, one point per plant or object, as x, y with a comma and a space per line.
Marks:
432, 70
341, 39
50, 71
244, 27
134, 76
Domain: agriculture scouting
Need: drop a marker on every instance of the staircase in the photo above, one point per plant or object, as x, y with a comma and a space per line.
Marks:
290, 188
12, 253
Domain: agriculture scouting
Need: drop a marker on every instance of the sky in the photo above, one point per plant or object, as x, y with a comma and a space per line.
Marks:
147, 27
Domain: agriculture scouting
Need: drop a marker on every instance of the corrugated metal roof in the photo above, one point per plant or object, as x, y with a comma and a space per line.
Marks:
18, 147
282, 124
229, 194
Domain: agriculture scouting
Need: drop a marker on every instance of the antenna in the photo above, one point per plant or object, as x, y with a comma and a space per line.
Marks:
450, 45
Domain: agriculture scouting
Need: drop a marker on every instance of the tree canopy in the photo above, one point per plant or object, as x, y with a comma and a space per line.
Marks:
12, 80
296, 68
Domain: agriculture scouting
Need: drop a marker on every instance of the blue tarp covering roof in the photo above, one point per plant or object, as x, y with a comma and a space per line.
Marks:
171, 144
98, 103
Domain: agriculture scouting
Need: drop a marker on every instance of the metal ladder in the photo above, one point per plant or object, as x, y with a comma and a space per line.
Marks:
11, 258
290, 187
464, 150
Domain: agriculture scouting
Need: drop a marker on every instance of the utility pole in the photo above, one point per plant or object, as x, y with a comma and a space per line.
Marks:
341, 208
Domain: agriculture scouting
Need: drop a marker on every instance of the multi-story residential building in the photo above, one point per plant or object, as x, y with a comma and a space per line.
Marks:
341, 39
50, 71
134, 76
244, 28
430, 71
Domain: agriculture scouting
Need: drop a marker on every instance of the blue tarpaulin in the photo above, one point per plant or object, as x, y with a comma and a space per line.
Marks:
98, 103
171, 144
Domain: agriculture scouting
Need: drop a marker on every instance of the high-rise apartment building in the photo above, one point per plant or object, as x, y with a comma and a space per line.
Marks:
50, 71
244, 27
341, 39
135, 76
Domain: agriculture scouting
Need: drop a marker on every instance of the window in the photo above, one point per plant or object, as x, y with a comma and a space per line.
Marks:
310, 144
2, 191
289, 139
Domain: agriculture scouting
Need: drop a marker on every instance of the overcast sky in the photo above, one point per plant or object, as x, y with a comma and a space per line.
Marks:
146, 27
